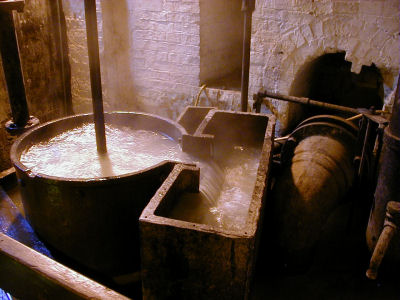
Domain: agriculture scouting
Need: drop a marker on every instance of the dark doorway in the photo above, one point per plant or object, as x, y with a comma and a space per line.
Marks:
332, 81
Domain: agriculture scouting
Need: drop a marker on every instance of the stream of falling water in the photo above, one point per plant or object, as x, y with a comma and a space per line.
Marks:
225, 188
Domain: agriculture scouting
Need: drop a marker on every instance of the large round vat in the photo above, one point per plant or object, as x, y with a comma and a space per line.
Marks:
93, 221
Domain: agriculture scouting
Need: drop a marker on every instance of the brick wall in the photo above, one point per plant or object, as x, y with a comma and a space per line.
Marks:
151, 52
150, 56
290, 34
165, 53
41, 70
154, 50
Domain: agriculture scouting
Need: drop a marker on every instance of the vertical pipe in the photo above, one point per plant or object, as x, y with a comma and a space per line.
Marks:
365, 147
247, 9
95, 77
388, 188
389, 230
12, 69
395, 118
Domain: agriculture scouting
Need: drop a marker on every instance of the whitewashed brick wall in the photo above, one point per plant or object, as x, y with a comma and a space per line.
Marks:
152, 49
165, 51
289, 34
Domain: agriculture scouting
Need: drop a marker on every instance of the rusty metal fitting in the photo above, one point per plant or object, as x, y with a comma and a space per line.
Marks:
14, 129
393, 214
258, 100
248, 5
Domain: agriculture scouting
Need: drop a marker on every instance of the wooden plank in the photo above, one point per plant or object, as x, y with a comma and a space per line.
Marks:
27, 274
7, 173
8, 177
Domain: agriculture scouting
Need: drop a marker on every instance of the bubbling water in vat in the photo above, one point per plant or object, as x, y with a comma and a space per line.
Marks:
225, 186
73, 153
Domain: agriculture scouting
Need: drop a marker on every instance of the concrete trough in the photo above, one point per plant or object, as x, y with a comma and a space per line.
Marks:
188, 260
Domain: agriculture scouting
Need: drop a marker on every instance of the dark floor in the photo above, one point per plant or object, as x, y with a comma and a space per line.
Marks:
337, 270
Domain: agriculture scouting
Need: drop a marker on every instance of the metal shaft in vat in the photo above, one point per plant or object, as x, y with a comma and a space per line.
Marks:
95, 77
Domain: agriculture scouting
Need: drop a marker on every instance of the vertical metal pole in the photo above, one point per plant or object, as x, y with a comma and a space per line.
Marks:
388, 188
95, 77
395, 118
247, 8
12, 69
364, 148
390, 228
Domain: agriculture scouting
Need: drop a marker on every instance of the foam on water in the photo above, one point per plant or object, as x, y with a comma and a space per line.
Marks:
73, 153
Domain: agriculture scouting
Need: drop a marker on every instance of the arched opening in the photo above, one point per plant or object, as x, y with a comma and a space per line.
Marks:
329, 79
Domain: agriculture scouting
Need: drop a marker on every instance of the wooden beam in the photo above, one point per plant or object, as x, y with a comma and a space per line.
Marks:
28, 274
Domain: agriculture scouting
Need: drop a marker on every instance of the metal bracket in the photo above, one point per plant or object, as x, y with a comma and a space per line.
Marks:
258, 100
373, 116
14, 129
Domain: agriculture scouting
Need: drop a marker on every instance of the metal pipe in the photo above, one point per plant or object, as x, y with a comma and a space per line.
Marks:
203, 88
394, 126
365, 148
308, 101
388, 188
95, 77
247, 9
12, 69
390, 228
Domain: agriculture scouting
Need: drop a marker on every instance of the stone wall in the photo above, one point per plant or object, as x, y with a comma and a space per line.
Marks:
5, 114
41, 70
